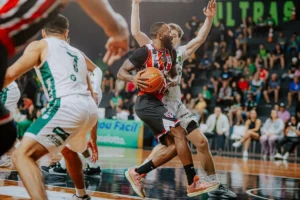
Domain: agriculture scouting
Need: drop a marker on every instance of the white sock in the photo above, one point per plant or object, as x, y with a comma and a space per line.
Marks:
62, 163
80, 192
213, 177
202, 174
91, 164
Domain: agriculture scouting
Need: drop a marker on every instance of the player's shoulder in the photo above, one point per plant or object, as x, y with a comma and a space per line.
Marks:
37, 45
181, 49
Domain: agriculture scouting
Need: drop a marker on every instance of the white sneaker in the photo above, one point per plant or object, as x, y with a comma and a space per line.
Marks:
285, 156
245, 154
237, 144
5, 162
272, 157
278, 156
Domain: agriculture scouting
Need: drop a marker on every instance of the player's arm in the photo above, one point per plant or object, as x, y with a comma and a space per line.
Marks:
173, 73
135, 61
114, 25
195, 43
30, 58
136, 32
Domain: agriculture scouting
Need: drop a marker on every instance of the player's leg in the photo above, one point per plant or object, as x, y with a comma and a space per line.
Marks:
24, 159
8, 132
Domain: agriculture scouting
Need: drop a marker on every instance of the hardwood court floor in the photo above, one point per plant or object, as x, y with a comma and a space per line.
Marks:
249, 179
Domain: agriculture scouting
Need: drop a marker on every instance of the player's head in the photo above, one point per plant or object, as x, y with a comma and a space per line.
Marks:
177, 34
161, 31
58, 26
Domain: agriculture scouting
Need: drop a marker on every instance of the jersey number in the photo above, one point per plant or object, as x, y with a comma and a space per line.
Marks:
75, 61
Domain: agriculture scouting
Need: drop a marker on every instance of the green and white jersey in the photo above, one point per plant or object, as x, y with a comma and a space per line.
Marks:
174, 92
64, 71
10, 97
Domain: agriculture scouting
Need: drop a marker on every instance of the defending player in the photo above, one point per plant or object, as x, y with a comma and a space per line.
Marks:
172, 99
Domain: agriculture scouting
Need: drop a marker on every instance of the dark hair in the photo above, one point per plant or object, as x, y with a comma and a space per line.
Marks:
155, 28
58, 25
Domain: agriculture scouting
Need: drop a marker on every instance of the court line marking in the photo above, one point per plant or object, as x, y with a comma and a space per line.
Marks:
51, 186
249, 192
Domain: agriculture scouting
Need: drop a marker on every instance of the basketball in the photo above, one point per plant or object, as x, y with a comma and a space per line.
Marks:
155, 79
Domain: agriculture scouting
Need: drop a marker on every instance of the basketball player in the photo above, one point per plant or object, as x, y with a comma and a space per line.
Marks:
21, 20
150, 109
72, 111
172, 99
9, 97
91, 167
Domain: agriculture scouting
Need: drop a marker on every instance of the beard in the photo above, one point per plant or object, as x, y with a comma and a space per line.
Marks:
167, 42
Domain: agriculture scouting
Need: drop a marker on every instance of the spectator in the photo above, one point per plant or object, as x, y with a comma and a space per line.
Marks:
250, 26
273, 88
190, 63
236, 110
263, 73
291, 135
294, 90
278, 54
205, 64
251, 66
270, 21
283, 114
226, 75
261, 27
187, 76
200, 107
235, 90
188, 101
224, 97
108, 82
249, 105
213, 85
293, 68
243, 84
271, 132
192, 26
238, 68
221, 59
256, 87
116, 100
206, 94
276, 107
263, 54
281, 40
241, 42
293, 44
217, 127
252, 132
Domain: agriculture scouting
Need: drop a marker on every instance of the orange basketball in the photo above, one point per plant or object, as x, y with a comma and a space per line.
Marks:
155, 79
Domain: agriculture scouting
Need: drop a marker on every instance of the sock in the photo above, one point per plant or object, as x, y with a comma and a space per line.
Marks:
91, 164
62, 163
212, 177
190, 173
80, 192
146, 168
147, 160
202, 173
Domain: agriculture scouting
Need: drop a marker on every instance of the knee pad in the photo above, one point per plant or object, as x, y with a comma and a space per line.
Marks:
191, 127
8, 136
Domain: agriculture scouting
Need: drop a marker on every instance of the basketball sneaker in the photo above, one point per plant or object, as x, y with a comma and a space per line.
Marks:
85, 197
91, 171
222, 192
136, 181
47, 168
58, 170
199, 187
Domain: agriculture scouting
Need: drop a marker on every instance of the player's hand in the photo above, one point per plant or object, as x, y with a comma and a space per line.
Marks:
92, 144
96, 98
118, 43
136, 1
211, 9
140, 81
172, 84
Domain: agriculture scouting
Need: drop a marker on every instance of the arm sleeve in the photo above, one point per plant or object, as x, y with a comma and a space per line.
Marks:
174, 57
139, 57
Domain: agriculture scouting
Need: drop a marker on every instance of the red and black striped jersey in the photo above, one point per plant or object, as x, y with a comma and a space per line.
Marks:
21, 20
149, 56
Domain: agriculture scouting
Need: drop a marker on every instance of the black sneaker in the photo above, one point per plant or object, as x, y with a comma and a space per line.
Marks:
90, 171
58, 170
222, 193
85, 197
47, 168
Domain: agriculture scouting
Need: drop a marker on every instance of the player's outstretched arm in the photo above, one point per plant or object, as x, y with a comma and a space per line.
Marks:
30, 58
194, 44
114, 25
136, 32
